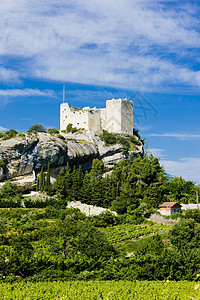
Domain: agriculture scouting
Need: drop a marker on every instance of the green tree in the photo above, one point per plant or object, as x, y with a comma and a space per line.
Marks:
60, 185
108, 137
185, 234
9, 189
37, 128
48, 182
53, 131
41, 180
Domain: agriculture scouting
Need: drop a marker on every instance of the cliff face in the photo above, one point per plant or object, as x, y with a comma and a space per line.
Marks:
25, 156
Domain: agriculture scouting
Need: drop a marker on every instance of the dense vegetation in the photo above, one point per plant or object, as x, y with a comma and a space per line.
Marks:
63, 244
110, 290
43, 240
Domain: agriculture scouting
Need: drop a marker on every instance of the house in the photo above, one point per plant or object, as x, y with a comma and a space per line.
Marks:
168, 208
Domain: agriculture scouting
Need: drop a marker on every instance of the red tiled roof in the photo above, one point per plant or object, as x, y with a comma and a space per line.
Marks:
169, 204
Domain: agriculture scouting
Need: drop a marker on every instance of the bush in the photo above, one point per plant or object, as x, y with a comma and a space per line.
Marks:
37, 128
125, 143
21, 134
108, 137
9, 189
2, 164
71, 129
9, 134
134, 140
52, 131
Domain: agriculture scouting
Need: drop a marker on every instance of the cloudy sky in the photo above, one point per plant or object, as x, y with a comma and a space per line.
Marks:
145, 50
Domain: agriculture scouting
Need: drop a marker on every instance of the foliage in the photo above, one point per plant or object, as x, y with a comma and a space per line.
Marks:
181, 190
71, 129
121, 290
185, 234
9, 134
192, 214
54, 243
36, 128
2, 163
108, 137
52, 131
123, 232
9, 189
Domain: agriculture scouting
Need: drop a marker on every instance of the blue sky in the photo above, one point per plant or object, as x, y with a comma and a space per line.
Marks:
146, 50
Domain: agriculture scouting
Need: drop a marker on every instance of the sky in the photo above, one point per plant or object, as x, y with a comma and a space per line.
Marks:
143, 50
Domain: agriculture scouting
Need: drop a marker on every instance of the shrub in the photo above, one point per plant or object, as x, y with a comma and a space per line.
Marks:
108, 137
9, 189
134, 140
21, 134
2, 163
71, 129
9, 134
37, 128
52, 131
125, 143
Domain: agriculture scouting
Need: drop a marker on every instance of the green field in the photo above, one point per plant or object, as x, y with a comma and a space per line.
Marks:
124, 232
138, 290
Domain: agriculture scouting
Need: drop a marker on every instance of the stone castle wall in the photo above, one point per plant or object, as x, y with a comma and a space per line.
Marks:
117, 117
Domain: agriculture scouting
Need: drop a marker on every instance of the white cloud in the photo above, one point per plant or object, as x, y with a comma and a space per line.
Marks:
180, 136
117, 43
3, 128
26, 93
188, 168
7, 75
157, 152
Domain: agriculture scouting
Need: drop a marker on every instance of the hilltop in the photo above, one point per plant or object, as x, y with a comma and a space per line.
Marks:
23, 156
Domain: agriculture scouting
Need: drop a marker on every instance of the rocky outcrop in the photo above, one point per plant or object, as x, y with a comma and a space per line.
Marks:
24, 156
89, 210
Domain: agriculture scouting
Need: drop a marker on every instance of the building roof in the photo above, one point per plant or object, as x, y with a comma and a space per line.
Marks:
170, 204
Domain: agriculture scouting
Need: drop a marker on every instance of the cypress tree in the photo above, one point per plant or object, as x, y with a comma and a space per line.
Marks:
48, 183
60, 185
38, 184
41, 180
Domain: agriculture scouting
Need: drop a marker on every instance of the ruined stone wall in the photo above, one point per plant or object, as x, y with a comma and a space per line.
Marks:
127, 116
117, 117
77, 117
113, 115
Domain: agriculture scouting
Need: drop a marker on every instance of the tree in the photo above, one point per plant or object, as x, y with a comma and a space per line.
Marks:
108, 137
53, 131
60, 185
37, 128
48, 182
185, 234
42, 180
9, 189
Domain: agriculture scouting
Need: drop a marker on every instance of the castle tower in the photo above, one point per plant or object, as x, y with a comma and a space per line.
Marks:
119, 116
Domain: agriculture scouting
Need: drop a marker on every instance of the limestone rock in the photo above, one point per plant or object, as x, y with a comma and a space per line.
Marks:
26, 155
1, 174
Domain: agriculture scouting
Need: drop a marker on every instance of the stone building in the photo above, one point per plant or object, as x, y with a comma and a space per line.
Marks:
168, 208
117, 117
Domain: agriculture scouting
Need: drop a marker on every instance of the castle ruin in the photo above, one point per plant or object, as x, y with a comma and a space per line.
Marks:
117, 117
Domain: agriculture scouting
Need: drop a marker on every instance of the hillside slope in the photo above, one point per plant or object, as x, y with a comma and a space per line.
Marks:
25, 155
